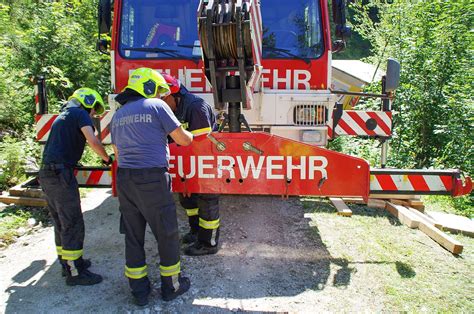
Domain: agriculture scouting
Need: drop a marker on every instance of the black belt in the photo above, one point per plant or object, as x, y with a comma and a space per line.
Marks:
53, 166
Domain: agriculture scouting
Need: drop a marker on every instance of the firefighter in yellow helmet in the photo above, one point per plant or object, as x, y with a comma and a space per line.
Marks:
139, 135
64, 148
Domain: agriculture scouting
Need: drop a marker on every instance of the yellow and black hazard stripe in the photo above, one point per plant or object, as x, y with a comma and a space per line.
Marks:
201, 131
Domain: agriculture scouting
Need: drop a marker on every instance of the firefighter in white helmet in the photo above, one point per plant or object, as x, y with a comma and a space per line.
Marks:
197, 117
139, 135
64, 148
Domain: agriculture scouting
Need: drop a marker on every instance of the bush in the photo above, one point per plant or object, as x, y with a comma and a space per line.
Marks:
17, 157
52, 38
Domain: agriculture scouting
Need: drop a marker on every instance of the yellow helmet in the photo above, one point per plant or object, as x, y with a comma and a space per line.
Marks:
148, 83
89, 98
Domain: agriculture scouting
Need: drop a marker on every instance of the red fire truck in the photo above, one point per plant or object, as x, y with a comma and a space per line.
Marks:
266, 66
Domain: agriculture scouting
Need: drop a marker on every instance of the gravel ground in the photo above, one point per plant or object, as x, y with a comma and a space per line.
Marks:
271, 259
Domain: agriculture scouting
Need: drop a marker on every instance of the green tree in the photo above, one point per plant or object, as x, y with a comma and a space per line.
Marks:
52, 38
433, 41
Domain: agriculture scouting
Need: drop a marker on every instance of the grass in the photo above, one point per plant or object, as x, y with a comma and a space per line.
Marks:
12, 218
460, 206
401, 266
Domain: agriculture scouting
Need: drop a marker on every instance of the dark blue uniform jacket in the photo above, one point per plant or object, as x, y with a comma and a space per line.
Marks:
195, 114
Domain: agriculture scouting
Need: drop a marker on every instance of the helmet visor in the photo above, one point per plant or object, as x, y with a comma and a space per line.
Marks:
99, 108
163, 90
90, 101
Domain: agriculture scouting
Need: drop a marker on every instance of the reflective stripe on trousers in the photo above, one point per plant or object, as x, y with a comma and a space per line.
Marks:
206, 224
71, 255
212, 226
192, 211
172, 270
136, 272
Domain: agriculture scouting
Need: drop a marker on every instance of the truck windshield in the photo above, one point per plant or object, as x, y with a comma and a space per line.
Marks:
152, 29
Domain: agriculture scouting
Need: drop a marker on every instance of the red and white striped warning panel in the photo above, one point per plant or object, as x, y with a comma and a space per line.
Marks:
43, 126
45, 121
93, 177
37, 98
441, 182
105, 121
256, 27
364, 123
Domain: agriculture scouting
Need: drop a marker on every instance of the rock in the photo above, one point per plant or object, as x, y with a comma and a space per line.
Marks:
21, 231
31, 222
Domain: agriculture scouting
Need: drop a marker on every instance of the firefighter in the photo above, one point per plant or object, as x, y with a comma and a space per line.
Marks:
139, 135
202, 210
64, 148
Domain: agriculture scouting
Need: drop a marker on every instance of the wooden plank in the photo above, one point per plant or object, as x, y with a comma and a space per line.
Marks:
415, 203
454, 223
420, 208
425, 218
375, 203
29, 182
441, 238
27, 192
404, 215
354, 200
396, 196
398, 202
26, 201
341, 207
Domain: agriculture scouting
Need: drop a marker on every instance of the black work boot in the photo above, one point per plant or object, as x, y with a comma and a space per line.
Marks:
141, 289
190, 237
168, 290
199, 248
141, 300
86, 263
84, 278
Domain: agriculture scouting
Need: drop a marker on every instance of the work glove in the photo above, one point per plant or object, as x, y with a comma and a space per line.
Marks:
110, 160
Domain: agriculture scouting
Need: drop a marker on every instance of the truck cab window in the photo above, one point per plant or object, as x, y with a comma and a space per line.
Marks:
153, 29
158, 29
292, 28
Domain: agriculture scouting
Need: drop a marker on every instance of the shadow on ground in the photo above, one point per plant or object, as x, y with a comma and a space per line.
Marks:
317, 205
268, 250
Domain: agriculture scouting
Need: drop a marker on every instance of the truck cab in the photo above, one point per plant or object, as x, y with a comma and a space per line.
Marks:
293, 98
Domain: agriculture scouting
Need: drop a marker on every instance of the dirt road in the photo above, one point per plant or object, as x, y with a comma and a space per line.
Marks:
272, 259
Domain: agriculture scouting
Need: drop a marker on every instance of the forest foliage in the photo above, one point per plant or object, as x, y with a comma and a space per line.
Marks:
432, 40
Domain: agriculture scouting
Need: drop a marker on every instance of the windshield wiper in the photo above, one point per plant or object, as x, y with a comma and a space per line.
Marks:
168, 52
286, 52
187, 46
